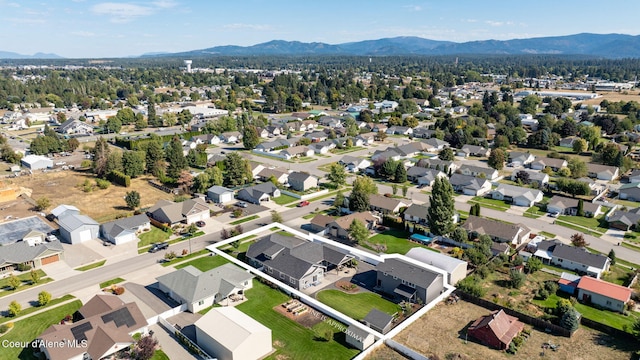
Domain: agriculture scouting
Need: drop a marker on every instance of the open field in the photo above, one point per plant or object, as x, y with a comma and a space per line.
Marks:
442, 331
101, 205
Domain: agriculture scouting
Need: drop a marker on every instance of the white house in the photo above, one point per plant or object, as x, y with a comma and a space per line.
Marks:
220, 194
456, 269
125, 230
517, 195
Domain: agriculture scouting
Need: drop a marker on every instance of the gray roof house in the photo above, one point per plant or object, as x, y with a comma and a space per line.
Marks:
630, 191
624, 220
437, 144
569, 206
35, 254
301, 181
406, 281
572, 258
76, 228
517, 158
296, 262
220, 194
423, 176
554, 164
257, 193
418, 213
534, 176
489, 173
200, 290
354, 164
188, 211
517, 195
435, 163
602, 172
456, 269
73, 126
386, 205
470, 185
473, 150
515, 234
124, 230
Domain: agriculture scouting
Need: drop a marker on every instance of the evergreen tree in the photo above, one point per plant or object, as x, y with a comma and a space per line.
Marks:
154, 158
133, 163
151, 115
175, 158
580, 211
401, 174
235, 170
250, 137
132, 198
441, 210
446, 154
570, 320
612, 256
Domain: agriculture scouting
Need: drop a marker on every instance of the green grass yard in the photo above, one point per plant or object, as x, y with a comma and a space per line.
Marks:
490, 203
32, 309
25, 278
244, 220
91, 266
204, 263
596, 225
291, 340
533, 212
284, 199
356, 306
185, 258
28, 329
395, 240
111, 282
152, 236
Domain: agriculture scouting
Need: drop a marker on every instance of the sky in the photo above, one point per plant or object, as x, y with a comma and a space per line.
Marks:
98, 29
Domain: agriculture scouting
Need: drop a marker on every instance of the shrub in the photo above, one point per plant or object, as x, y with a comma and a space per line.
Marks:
44, 298
102, 184
23, 267
119, 178
472, 285
14, 308
118, 290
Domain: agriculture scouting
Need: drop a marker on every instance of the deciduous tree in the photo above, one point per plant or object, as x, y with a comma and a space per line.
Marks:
497, 159
578, 240
358, 231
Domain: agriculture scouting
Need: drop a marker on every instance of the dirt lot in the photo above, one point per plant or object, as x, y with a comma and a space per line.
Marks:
385, 353
61, 187
614, 97
440, 332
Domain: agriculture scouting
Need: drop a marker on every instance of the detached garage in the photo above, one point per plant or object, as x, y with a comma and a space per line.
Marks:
36, 162
76, 228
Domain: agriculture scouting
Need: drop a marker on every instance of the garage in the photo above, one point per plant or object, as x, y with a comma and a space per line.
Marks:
85, 235
50, 259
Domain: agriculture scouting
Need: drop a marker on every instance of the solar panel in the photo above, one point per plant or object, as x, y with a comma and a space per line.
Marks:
80, 330
119, 317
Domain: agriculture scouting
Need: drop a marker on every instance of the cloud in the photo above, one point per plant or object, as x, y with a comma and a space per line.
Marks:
413, 7
165, 4
121, 13
26, 21
83, 33
469, 20
498, 23
237, 26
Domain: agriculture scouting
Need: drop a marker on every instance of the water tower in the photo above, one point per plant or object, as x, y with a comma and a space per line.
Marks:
188, 64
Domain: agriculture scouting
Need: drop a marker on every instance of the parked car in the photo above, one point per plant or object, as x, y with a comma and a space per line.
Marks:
303, 203
200, 223
159, 246
554, 214
241, 204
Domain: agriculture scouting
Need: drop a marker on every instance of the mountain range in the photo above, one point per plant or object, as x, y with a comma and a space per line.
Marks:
597, 45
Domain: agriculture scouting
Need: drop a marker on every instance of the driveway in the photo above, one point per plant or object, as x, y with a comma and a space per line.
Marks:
151, 296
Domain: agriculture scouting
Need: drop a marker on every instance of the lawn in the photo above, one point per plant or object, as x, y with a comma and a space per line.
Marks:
159, 355
111, 282
291, 340
610, 318
490, 203
185, 258
204, 263
356, 306
29, 328
533, 212
32, 309
618, 275
593, 224
395, 241
91, 266
25, 278
284, 199
244, 220
344, 151
547, 234
152, 236
242, 248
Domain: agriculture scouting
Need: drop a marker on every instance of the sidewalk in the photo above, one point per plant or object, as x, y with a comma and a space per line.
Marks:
40, 310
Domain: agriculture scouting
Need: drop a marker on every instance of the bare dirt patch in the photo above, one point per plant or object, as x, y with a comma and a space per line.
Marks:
307, 319
440, 332
61, 187
385, 353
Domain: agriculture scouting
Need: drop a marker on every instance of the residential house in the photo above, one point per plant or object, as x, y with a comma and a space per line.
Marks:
473, 150
296, 262
437, 144
399, 130
517, 158
106, 327
188, 211
423, 176
272, 145
310, 125
417, 213
322, 147
405, 280
378, 128
73, 126
410, 150
571, 258
496, 329
354, 164
297, 151
602, 172
517, 195
208, 139
367, 138
595, 187
569, 206
281, 175
386, 105
423, 132
125, 230
634, 176
318, 223
273, 130
554, 164
199, 290
316, 136
256, 168
258, 193
386, 205
624, 220
630, 191
471, 170
220, 194
330, 121
301, 181
456, 269
25, 241
470, 185
610, 296
339, 227
448, 167
535, 177
515, 234
568, 141
229, 334
231, 137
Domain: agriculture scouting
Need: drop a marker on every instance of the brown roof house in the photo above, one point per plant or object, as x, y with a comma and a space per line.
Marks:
500, 232
106, 327
386, 205
496, 329
188, 211
339, 227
